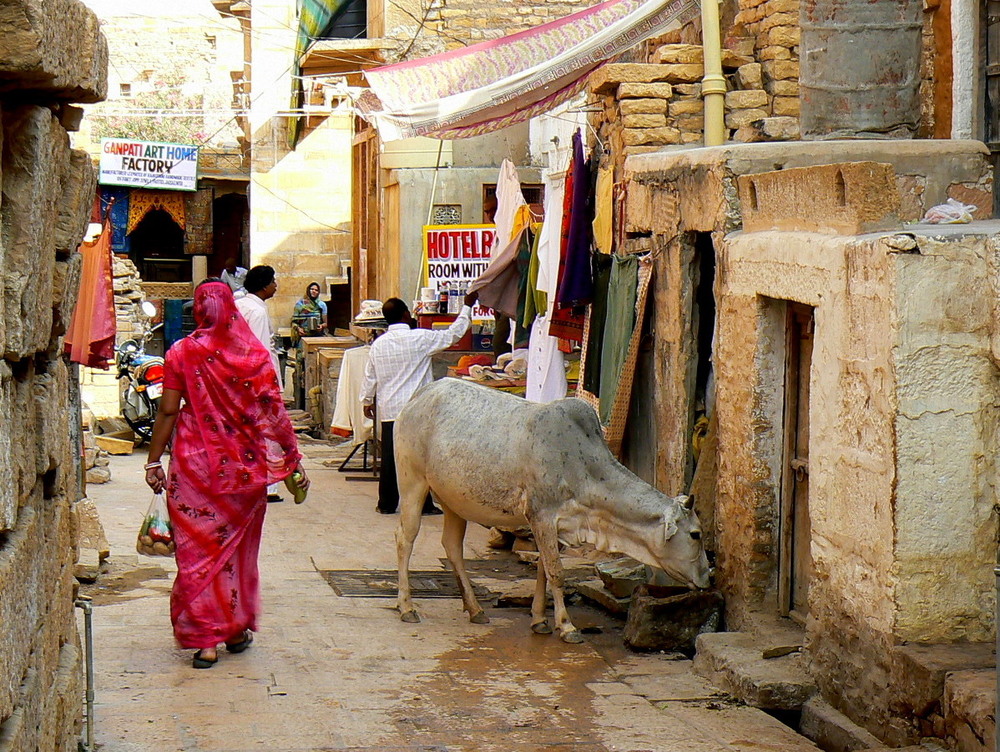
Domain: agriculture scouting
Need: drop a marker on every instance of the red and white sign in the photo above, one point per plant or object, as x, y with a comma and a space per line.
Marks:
456, 255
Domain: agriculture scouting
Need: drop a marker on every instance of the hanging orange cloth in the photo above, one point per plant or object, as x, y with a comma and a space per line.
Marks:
141, 202
90, 340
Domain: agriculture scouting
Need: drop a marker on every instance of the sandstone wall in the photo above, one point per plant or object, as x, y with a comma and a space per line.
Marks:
903, 413
451, 24
852, 473
51, 53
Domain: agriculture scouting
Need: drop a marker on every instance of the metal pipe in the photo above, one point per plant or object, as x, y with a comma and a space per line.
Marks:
83, 603
713, 85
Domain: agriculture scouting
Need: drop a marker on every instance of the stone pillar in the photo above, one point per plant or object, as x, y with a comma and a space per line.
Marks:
199, 268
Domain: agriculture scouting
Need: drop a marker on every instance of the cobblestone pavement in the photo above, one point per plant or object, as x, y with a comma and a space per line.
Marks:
343, 673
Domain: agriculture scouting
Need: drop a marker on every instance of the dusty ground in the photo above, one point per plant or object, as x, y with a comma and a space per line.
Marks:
328, 672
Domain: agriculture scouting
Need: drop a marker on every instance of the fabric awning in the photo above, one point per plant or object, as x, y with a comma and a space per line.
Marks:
501, 82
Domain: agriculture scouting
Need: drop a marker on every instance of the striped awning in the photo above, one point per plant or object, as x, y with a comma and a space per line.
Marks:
501, 82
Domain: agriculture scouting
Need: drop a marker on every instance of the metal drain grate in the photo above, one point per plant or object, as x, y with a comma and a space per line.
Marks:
381, 583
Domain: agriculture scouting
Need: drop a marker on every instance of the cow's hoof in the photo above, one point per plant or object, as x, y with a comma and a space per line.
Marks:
480, 618
541, 627
410, 617
573, 637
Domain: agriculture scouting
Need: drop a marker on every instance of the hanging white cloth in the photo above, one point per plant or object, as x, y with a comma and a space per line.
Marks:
546, 365
348, 412
548, 240
509, 200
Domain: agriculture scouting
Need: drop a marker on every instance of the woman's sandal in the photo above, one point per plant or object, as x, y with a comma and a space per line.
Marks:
239, 647
199, 662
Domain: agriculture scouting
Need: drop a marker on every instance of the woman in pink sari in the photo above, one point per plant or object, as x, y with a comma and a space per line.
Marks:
232, 437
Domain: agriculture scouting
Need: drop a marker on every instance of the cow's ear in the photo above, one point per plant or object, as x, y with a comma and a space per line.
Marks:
669, 526
688, 502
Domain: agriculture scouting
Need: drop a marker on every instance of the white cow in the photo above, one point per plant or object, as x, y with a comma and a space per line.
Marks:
498, 460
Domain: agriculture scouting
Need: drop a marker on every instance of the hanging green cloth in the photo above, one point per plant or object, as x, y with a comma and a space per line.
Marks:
536, 302
618, 330
598, 318
315, 19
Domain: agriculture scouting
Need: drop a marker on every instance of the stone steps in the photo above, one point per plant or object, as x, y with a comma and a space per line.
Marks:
969, 709
735, 662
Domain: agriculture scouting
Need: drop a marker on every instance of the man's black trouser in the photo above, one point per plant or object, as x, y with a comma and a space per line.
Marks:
388, 487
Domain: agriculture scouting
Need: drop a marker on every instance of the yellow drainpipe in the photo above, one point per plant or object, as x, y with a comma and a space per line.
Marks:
713, 85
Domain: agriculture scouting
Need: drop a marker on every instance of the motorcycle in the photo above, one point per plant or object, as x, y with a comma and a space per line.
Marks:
144, 385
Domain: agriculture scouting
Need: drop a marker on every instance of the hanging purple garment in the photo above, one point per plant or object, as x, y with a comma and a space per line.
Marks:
577, 284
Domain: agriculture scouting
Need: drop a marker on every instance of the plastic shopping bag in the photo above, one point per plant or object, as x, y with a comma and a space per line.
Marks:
156, 536
951, 212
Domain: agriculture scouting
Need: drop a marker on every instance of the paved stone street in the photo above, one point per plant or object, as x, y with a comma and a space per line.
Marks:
343, 673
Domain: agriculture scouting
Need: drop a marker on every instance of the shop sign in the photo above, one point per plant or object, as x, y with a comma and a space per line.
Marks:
456, 255
149, 164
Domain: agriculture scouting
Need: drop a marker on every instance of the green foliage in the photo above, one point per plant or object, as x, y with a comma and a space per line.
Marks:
154, 116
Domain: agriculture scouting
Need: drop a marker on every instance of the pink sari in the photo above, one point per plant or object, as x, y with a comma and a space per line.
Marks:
232, 438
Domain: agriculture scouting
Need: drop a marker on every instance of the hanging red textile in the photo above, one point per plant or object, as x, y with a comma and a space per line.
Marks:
90, 340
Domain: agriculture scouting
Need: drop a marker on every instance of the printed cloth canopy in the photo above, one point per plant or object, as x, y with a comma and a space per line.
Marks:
501, 82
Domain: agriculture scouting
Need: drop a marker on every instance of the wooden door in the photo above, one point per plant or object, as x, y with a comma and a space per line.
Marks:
991, 27
795, 565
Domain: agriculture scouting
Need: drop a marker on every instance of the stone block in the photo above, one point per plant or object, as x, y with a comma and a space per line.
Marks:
20, 589
750, 76
683, 73
35, 159
919, 672
643, 107
78, 188
782, 88
607, 78
731, 60
786, 107
783, 6
739, 118
621, 576
645, 91
690, 137
680, 53
734, 662
55, 47
832, 730
685, 107
596, 592
785, 36
98, 475
52, 412
781, 70
645, 136
970, 709
850, 198
977, 196
65, 288
769, 129
785, 18
772, 53
665, 619
746, 100
688, 90
644, 120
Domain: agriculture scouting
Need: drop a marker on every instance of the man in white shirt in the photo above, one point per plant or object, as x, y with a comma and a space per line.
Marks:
234, 276
398, 365
260, 286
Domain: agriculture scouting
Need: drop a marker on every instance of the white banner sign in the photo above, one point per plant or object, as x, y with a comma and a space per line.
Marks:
149, 164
